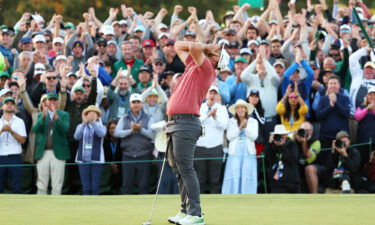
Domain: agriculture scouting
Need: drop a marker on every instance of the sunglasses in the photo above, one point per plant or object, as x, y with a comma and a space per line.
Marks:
51, 78
101, 46
158, 64
334, 55
345, 31
86, 85
293, 96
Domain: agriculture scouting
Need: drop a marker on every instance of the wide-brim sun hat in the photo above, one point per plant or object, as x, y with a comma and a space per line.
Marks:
92, 108
280, 129
241, 102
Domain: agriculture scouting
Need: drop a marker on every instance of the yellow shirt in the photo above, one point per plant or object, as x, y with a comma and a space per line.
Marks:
302, 111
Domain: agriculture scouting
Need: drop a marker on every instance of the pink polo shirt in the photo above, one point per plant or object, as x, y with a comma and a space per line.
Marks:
191, 88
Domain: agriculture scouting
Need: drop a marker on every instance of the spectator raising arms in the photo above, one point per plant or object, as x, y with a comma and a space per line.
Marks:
292, 109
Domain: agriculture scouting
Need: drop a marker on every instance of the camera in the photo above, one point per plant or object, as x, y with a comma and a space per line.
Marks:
277, 137
339, 144
301, 133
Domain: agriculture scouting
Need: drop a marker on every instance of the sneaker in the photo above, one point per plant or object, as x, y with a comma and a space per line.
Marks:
192, 220
345, 187
177, 218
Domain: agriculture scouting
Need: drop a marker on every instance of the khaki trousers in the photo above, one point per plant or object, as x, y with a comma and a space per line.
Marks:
49, 166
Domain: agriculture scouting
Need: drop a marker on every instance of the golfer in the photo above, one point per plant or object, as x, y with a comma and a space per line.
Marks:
184, 127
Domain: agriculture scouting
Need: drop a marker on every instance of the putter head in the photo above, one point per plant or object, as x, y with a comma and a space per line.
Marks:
147, 223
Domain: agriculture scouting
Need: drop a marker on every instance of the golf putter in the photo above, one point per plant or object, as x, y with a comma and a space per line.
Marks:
156, 194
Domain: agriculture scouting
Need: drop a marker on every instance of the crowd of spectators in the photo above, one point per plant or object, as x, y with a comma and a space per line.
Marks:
86, 103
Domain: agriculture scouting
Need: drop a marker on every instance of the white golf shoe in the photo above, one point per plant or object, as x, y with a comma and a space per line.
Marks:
192, 220
177, 218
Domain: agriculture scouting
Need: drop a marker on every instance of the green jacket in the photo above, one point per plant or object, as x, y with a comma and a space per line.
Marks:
75, 110
342, 70
135, 68
60, 141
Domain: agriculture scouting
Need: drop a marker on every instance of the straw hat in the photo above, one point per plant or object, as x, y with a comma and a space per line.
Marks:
240, 102
92, 108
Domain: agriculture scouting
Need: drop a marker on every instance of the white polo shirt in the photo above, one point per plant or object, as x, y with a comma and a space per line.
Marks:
213, 128
8, 144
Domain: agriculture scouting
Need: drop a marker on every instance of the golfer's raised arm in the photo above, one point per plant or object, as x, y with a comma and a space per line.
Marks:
195, 49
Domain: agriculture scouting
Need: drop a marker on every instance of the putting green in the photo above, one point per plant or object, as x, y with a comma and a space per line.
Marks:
262, 209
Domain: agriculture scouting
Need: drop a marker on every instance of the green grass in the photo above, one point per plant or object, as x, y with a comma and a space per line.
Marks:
218, 209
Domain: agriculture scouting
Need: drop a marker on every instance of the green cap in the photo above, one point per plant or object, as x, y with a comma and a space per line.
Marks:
68, 25
52, 96
9, 99
241, 59
4, 74
79, 88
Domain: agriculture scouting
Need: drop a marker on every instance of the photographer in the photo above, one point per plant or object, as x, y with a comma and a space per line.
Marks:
281, 159
343, 164
309, 148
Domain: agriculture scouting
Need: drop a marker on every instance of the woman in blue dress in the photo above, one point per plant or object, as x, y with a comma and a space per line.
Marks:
240, 175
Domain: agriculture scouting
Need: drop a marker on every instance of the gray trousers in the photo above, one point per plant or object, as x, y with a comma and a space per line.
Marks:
182, 138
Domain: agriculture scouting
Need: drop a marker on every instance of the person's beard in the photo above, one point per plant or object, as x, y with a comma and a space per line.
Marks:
122, 92
9, 111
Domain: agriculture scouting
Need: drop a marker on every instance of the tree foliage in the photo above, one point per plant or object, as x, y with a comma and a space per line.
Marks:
72, 10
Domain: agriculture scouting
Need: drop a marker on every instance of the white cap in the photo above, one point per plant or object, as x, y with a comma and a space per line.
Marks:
4, 91
245, 51
58, 40
39, 38
123, 22
214, 88
164, 35
252, 42
279, 63
273, 22
345, 27
108, 30
112, 42
38, 18
139, 28
362, 17
372, 89
226, 69
135, 97
223, 41
115, 22
359, 10
39, 68
202, 22
61, 57
162, 26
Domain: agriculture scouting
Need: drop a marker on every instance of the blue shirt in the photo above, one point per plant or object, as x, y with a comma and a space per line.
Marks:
237, 91
224, 91
8, 54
